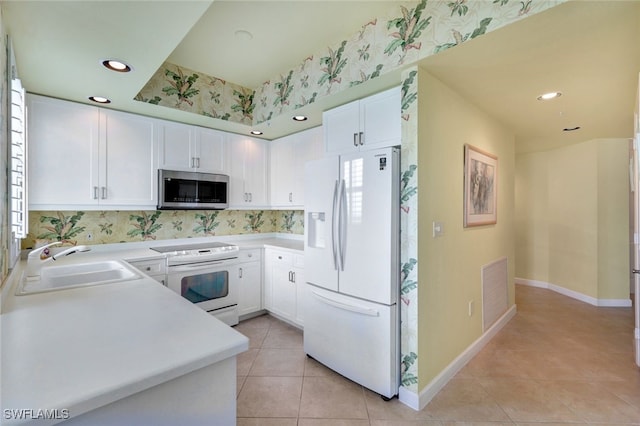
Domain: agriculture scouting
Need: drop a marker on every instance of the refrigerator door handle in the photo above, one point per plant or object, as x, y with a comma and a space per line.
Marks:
334, 242
348, 307
342, 224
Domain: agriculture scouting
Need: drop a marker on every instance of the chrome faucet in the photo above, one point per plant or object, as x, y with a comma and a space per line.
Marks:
35, 262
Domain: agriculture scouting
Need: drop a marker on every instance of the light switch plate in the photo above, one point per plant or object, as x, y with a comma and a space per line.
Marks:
438, 229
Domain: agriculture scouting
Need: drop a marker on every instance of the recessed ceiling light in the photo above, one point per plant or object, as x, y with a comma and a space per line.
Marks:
571, 129
115, 65
299, 118
548, 96
99, 99
256, 132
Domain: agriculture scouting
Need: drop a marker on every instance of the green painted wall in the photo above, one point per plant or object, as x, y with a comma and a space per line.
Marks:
450, 265
573, 224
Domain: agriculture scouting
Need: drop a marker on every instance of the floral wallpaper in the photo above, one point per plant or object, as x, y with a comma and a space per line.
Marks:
105, 227
409, 232
416, 30
187, 90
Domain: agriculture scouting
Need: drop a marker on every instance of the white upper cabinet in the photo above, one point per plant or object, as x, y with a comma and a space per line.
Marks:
369, 123
82, 156
288, 157
190, 148
63, 150
127, 169
247, 161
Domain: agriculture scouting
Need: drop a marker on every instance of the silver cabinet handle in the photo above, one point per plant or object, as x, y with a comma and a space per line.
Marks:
291, 197
361, 138
95, 192
250, 196
355, 139
636, 271
239, 272
104, 192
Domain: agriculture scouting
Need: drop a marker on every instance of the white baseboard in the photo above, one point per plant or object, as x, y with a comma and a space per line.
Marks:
611, 303
419, 401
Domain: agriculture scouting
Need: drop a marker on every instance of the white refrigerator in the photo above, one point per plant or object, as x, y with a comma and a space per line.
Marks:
352, 266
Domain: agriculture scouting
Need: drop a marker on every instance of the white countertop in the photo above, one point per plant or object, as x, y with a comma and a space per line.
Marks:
80, 349
142, 251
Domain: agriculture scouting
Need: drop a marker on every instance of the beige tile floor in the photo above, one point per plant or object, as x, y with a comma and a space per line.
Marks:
559, 361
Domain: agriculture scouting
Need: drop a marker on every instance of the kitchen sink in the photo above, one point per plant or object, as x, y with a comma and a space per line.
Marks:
77, 275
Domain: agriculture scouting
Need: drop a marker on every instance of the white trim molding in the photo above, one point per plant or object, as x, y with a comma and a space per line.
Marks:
609, 303
419, 401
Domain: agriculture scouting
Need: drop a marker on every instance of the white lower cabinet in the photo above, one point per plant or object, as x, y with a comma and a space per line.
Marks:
284, 276
154, 268
248, 276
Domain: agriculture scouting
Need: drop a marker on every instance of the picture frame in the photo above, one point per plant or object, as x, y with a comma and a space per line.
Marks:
480, 187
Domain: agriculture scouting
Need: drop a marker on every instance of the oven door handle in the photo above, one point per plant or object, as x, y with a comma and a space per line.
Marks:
196, 267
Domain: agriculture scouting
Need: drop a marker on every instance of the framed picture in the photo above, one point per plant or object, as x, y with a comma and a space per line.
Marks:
480, 187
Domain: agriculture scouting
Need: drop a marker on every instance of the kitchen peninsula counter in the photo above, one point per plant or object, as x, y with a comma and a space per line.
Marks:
122, 353
99, 350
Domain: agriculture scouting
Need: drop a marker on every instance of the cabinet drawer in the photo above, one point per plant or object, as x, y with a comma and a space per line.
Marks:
280, 257
251, 255
150, 267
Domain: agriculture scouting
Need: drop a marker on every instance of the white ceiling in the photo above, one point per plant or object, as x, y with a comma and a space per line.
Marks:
586, 49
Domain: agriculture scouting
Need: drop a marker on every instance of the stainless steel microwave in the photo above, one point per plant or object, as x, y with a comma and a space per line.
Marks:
192, 190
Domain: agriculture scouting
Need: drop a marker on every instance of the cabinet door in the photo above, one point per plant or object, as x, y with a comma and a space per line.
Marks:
341, 128
283, 298
250, 283
235, 160
288, 157
247, 172
280, 287
307, 147
380, 119
176, 146
301, 295
128, 169
255, 171
210, 156
282, 164
63, 152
